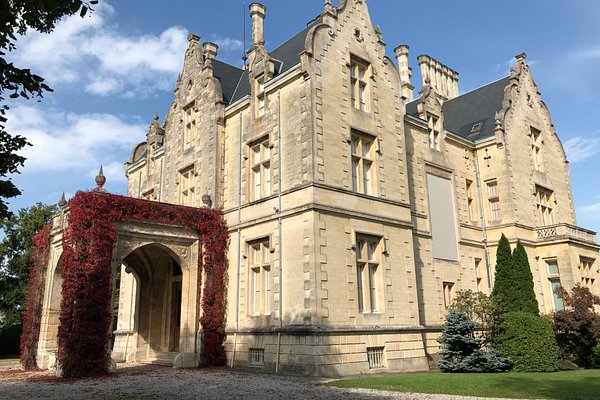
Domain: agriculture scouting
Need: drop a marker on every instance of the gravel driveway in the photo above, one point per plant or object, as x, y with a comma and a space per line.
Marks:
157, 382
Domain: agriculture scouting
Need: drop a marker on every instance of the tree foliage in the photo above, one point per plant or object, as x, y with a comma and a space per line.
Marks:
528, 339
463, 351
577, 327
513, 284
15, 265
16, 18
15, 259
480, 308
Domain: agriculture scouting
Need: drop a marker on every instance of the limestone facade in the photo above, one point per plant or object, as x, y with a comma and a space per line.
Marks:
355, 212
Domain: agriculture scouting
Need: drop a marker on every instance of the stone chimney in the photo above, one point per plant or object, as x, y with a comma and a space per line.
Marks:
443, 80
405, 72
210, 50
257, 13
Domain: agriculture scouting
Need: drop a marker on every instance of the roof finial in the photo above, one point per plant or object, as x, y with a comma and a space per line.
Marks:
62, 202
156, 116
100, 181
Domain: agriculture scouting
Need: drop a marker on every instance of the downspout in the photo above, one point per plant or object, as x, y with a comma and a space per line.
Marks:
279, 229
239, 241
482, 220
160, 178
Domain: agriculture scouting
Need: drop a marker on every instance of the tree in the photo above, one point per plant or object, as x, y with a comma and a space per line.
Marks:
480, 308
15, 263
16, 18
513, 284
504, 267
463, 352
577, 327
524, 295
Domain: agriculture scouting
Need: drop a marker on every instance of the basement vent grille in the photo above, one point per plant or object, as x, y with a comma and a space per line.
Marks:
257, 357
375, 356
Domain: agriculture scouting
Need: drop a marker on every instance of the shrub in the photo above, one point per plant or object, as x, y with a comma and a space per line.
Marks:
566, 365
577, 327
596, 355
528, 339
462, 352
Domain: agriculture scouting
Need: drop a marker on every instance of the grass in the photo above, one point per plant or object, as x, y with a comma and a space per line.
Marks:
581, 384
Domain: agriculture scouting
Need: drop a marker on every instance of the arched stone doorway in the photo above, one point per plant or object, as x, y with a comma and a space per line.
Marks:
150, 311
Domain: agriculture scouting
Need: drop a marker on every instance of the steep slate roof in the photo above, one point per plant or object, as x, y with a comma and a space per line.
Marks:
229, 77
236, 82
477, 106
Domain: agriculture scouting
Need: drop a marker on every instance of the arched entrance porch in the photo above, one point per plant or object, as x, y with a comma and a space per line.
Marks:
150, 306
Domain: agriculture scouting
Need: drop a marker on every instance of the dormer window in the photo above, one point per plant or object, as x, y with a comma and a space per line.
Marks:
433, 129
261, 98
476, 127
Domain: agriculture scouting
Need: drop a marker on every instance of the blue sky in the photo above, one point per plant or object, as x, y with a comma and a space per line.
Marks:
113, 70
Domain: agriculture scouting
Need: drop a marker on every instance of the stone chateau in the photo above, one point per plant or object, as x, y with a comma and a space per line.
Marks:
356, 208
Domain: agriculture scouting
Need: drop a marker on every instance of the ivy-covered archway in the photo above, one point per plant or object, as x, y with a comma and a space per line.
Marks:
89, 246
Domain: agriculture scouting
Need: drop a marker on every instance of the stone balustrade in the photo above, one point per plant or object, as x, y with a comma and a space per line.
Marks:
565, 231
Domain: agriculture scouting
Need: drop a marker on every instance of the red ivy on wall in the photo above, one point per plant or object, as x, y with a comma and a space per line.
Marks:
88, 244
35, 298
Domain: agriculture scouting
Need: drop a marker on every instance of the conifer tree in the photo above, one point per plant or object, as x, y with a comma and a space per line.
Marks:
504, 275
523, 298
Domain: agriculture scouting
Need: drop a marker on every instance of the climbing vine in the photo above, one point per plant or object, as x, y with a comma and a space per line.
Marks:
35, 296
88, 243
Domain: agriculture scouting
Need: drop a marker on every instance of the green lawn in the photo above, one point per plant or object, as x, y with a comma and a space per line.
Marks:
583, 384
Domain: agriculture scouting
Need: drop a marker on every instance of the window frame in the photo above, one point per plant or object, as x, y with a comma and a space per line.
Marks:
434, 131
536, 142
495, 210
189, 124
363, 166
369, 272
260, 173
187, 186
360, 73
260, 285
544, 200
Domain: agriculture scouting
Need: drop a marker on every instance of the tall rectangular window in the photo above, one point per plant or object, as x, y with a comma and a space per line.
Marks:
544, 203
433, 130
359, 95
260, 175
187, 187
471, 200
362, 163
368, 271
261, 98
554, 282
536, 149
189, 124
260, 277
448, 294
494, 200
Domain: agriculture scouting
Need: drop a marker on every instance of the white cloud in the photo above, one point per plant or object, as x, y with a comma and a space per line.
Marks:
581, 148
76, 143
589, 216
92, 52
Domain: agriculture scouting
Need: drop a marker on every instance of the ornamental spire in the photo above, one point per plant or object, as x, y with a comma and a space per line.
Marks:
100, 181
62, 202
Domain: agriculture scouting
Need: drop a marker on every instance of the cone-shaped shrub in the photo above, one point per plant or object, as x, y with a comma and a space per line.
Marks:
522, 295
